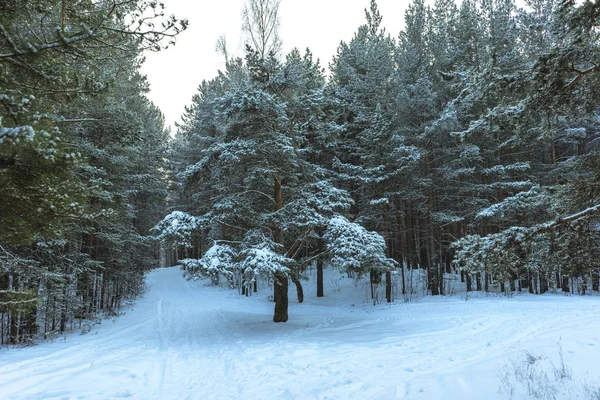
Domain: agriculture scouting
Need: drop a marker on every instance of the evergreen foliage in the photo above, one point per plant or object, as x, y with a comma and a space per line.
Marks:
467, 144
447, 149
81, 161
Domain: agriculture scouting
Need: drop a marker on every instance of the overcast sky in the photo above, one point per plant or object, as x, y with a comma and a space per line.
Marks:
320, 25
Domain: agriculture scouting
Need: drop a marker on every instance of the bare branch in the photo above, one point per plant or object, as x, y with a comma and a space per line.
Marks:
261, 25
581, 74
260, 193
313, 258
65, 41
231, 226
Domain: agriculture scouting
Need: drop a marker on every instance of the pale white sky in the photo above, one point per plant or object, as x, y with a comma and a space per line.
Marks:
320, 25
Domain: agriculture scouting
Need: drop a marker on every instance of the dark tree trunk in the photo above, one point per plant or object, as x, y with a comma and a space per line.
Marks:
486, 285
441, 276
596, 281
375, 279
403, 278
14, 329
320, 278
63, 313
388, 286
280, 287
299, 289
403, 248
255, 286
280, 295
478, 281
103, 289
469, 282
565, 283
435, 287
502, 287
543, 284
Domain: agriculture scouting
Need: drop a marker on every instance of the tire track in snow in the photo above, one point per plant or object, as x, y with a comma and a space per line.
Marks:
184, 340
157, 375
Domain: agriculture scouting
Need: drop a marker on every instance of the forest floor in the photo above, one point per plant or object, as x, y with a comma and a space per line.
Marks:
189, 340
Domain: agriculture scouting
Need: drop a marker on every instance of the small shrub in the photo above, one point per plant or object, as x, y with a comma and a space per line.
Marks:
533, 376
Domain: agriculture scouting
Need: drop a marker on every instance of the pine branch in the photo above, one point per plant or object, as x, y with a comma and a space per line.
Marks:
75, 120
63, 42
581, 74
231, 226
313, 258
258, 192
543, 228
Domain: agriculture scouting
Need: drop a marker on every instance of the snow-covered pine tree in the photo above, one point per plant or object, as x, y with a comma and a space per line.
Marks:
369, 157
79, 165
541, 124
257, 164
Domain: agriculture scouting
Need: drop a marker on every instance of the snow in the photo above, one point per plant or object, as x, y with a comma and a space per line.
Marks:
188, 340
177, 228
15, 134
353, 248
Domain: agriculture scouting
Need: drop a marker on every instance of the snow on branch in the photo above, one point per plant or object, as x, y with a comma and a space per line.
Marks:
353, 248
220, 259
86, 33
547, 227
515, 203
474, 252
177, 228
262, 261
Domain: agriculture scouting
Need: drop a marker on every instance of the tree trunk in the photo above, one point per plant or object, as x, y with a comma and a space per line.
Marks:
441, 275
469, 282
404, 247
280, 295
299, 289
403, 278
280, 288
565, 284
435, 287
388, 286
375, 279
543, 284
478, 281
320, 278
595, 281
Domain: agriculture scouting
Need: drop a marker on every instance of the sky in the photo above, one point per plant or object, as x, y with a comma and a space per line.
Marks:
174, 74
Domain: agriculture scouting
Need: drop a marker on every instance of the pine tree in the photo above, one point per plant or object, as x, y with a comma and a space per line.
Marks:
79, 164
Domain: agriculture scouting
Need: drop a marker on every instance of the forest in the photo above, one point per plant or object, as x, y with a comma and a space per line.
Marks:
466, 144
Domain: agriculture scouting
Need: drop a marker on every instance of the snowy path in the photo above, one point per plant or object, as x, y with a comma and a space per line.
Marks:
185, 340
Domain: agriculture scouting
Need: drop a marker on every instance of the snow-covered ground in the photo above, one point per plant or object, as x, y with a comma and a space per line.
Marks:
188, 340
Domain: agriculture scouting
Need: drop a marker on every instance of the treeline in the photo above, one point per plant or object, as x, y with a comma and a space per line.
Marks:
81, 160
454, 143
